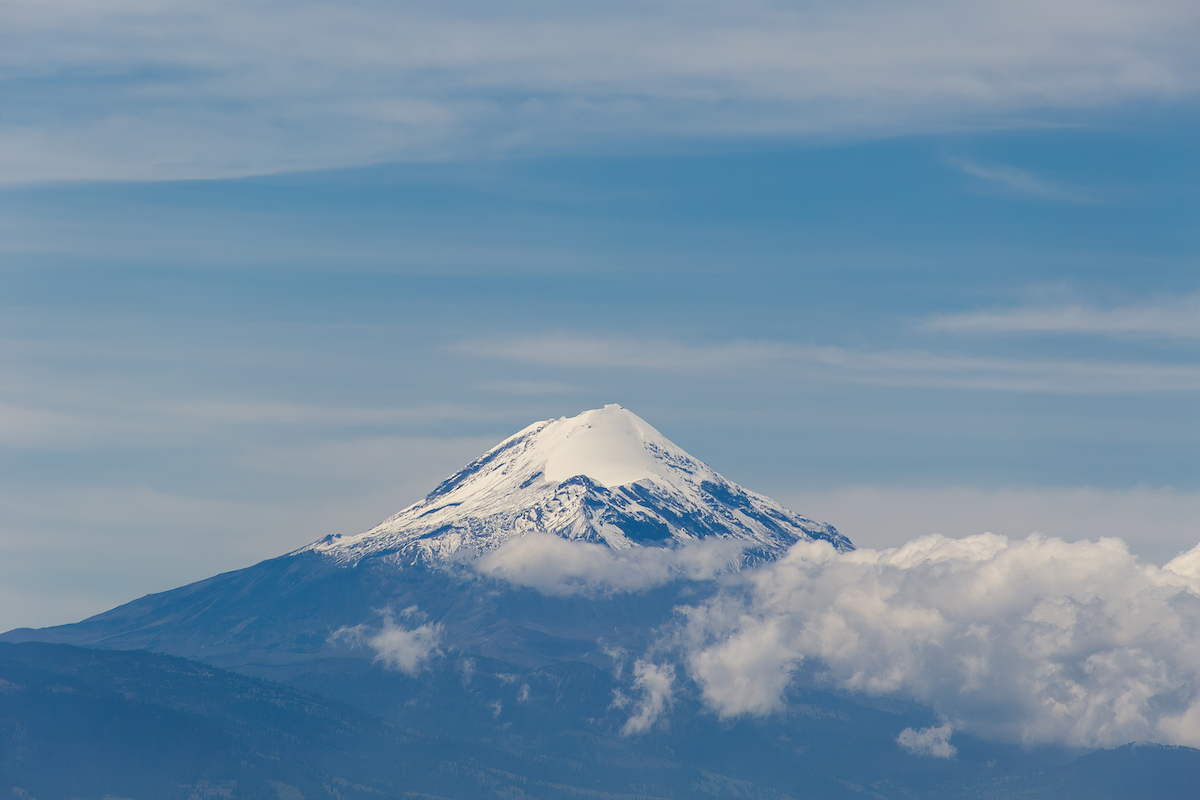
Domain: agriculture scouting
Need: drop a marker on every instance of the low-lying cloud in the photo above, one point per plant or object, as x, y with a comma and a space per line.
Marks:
397, 647
1033, 640
933, 742
656, 682
554, 565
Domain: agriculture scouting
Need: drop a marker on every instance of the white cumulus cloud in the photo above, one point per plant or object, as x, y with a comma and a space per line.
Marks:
656, 683
934, 742
1033, 640
398, 647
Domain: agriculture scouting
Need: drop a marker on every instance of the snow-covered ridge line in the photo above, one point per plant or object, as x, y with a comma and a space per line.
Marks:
605, 476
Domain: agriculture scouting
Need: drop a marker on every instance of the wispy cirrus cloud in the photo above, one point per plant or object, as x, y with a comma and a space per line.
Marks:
77, 425
142, 90
1014, 181
911, 368
1179, 319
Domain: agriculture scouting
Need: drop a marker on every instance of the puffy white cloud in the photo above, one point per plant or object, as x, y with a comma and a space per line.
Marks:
554, 565
397, 647
404, 649
1035, 640
656, 683
1031, 640
934, 742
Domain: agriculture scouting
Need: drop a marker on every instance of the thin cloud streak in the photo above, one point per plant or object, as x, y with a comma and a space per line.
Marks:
1015, 181
70, 426
1180, 320
138, 90
915, 369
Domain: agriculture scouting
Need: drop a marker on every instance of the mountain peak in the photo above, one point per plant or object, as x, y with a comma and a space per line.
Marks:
611, 445
604, 476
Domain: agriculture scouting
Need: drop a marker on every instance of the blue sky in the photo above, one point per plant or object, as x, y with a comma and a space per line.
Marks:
271, 272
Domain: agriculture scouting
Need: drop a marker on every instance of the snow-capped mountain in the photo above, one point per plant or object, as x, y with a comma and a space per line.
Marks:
625, 501
605, 476
454, 680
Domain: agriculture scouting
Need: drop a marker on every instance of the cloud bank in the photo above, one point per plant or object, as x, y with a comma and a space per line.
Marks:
140, 89
1035, 640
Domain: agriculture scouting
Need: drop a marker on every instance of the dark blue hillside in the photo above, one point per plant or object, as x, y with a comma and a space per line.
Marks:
86, 725
78, 723
284, 611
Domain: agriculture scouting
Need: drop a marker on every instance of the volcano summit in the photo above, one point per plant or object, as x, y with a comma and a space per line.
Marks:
605, 476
